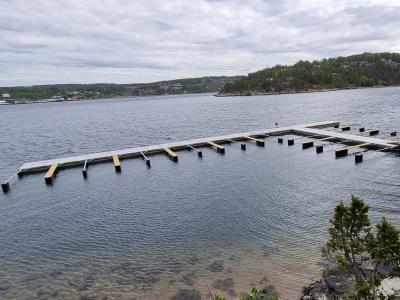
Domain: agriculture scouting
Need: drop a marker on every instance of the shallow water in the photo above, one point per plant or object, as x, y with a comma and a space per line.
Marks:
254, 218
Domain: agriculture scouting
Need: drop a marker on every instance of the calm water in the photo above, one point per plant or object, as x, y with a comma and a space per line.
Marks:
254, 218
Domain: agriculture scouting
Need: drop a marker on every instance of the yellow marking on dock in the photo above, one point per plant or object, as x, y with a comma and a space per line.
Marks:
320, 140
254, 139
217, 147
354, 146
48, 178
116, 161
259, 142
341, 152
171, 154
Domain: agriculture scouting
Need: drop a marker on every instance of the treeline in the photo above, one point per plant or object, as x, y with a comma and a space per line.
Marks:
211, 84
362, 70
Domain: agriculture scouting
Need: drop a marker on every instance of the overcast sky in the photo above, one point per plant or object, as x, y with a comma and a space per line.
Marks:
127, 41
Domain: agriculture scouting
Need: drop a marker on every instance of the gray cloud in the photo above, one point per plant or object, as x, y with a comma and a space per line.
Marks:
65, 41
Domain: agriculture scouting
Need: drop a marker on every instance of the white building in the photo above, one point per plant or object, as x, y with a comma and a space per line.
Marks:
6, 95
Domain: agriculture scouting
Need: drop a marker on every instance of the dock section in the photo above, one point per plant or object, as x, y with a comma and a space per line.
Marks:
171, 154
319, 129
117, 163
51, 173
345, 137
312, 132
345, 150
219, 148
259, 142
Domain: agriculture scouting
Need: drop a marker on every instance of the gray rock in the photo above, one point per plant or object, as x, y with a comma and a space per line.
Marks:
224, 284
184, 294
4, 285
216, 266
338, 282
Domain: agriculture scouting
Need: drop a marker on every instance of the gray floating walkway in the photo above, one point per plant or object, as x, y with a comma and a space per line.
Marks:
352, 138
155, 149
314, 129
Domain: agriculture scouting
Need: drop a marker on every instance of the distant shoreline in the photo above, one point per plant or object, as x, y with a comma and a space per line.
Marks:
41, 101
256, 93
236, 94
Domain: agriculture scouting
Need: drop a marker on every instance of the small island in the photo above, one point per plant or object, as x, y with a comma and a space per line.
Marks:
355, 71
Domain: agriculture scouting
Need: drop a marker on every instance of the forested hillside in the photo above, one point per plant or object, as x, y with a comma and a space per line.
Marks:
363, 70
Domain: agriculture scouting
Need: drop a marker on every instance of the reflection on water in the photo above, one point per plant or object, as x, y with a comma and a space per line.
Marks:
225, 222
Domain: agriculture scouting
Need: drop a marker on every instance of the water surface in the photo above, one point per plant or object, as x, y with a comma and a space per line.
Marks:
254, 218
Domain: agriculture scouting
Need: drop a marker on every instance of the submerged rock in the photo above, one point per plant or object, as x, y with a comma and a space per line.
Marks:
125, 267
184, 294
55, 273
46, 294
172, 264
216, 266
269, 250
87, 282
189, 278
4, 285
224, 284
232, 293
93, 297
148, 277
193, 260
139, 277
234, 257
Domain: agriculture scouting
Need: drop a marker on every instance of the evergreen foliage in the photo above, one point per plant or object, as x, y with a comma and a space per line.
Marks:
368, 255
362, 70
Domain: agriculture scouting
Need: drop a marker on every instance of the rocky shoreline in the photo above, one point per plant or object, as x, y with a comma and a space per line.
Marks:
336, 284
257, 93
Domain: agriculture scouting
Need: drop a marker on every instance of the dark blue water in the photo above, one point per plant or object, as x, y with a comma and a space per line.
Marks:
254, 218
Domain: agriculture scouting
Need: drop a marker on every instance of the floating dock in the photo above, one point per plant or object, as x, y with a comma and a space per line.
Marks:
313, 132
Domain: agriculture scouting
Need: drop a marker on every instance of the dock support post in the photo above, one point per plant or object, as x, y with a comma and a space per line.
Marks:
171, 154
199, 153
346, 128
146, 159
219, 148
319, 149
290, 142
394, 133
308, 144
362, 129
341, 152
243, 147
5, 187
117, 163
345, 151
84, 170
259, 142
51, 173
358, 158
374, 132
280, 140
336, 126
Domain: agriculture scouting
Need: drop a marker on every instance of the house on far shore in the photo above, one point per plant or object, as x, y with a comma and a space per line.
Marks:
6, 95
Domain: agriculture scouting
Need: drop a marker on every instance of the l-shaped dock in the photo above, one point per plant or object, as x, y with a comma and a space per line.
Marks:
316, 132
